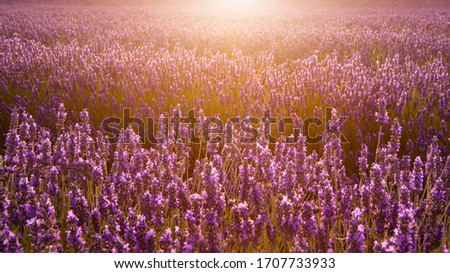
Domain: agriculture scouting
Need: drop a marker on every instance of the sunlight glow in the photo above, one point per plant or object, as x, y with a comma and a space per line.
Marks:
245, 6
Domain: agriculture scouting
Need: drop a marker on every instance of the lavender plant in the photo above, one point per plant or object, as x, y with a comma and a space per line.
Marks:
66, 185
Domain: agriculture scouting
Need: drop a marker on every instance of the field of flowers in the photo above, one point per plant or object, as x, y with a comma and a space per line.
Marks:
66, 185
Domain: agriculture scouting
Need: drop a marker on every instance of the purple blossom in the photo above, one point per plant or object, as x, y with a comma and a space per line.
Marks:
9, 242
75, 234
43, 229
406, 232
356, 233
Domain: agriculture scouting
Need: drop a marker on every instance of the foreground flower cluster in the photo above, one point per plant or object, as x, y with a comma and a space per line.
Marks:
66, 195
65, 187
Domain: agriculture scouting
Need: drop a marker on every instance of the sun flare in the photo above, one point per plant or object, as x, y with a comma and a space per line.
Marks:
240, 5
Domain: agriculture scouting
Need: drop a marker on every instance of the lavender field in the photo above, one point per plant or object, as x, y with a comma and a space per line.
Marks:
375, 178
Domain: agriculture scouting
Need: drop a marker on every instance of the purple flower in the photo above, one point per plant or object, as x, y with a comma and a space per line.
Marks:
79, 205
214, 205
44, 233
194, 235
382, 114
288, 223
380, 200
166, 242
406, 232
356, 233
75, 234
9, 242
387, 246
328, 205
309, 222
416, 176
24, 208
112, 241
145, 238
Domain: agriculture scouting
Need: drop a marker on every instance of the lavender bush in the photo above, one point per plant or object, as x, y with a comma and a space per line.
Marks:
65, 186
